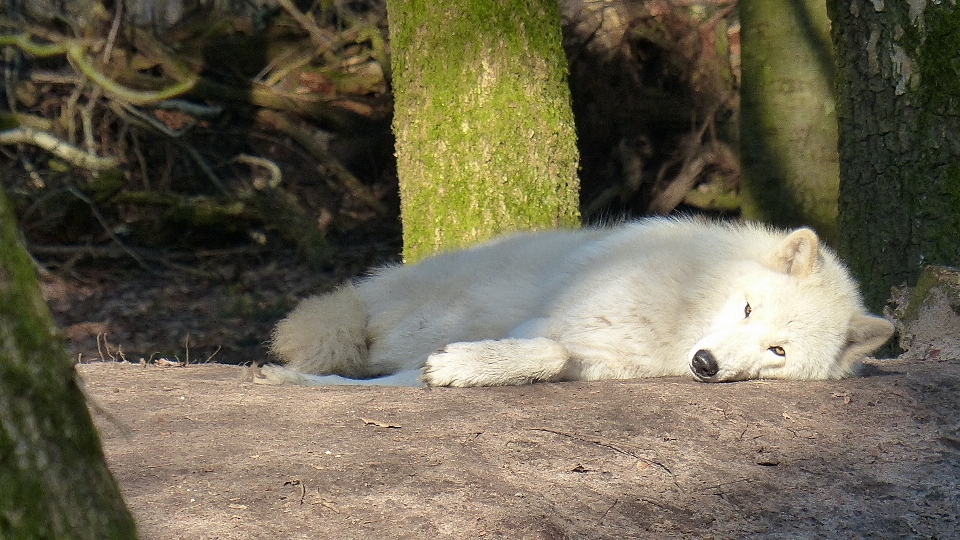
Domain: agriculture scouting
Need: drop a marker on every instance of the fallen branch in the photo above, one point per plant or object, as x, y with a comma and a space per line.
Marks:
62, 149
717, 194
308, 24
341, 114
274, 207
75, 51
697, 156
275, 175
673, 194
75, 253
77, 56
24, 42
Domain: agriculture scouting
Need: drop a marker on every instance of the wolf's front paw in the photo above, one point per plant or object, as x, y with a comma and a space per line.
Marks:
454, 365
496, 362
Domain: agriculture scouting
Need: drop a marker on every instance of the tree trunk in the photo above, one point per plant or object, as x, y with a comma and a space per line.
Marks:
54, 482
788, 121
483, 121
899, 110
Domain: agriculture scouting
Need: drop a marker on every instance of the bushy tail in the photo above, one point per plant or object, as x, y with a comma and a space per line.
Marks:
325, 334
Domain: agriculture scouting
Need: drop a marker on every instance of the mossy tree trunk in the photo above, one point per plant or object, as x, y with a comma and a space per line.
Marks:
54, 482
788, 121
483, 121
899, 111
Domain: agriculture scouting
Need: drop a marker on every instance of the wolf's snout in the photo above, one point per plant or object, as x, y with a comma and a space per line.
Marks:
704, 365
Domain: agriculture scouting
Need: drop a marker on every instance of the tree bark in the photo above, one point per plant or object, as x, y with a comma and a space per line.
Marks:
485, 135
54, 482
788, 121
899, 112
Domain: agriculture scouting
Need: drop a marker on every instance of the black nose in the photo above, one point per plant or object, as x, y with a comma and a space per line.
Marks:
704, 365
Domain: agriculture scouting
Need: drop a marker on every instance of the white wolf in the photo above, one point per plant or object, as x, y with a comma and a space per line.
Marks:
649, 298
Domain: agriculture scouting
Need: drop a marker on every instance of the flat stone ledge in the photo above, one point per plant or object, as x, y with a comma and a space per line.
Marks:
201, 454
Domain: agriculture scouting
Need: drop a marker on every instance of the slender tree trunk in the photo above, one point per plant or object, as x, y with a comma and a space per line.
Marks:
899, 110
788, 121
483, 121
54, 482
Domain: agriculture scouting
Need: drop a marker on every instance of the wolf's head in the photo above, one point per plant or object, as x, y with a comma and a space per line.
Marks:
796, 314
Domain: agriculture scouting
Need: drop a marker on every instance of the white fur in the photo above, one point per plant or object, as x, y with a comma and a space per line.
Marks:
649, 298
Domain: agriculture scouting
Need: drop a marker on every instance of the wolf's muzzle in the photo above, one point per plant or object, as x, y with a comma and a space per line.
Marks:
704, 365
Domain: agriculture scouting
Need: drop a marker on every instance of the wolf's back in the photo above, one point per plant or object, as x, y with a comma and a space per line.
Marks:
325, 334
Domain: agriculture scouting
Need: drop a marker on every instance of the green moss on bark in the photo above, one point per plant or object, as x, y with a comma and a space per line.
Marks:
54, 482
484, 126
930, 70
934, 41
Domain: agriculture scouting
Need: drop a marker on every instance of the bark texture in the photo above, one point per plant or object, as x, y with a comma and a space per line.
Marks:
899, 112
485, 135
789, 126
54, 482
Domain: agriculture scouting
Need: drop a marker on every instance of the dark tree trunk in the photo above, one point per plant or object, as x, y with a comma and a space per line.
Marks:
899, 139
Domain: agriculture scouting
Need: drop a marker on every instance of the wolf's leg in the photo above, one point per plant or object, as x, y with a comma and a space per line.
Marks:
501, 362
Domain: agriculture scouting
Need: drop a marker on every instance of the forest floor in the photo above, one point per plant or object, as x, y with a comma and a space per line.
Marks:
121, 312
203, 451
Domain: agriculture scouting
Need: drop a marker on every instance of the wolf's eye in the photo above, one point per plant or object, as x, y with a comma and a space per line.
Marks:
747, 310
778, 350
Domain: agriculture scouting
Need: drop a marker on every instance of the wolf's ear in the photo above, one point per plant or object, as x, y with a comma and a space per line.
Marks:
865, 334
797, 254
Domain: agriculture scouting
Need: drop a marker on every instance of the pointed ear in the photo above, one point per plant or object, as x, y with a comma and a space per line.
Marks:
865, 334
797, 254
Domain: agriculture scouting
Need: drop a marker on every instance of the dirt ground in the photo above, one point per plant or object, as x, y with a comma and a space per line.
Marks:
200, 453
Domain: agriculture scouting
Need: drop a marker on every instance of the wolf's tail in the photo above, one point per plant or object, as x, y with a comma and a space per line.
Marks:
325, 334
